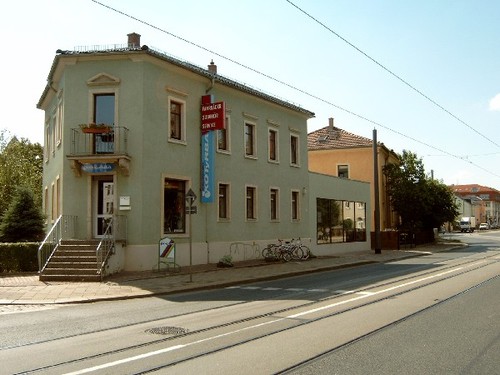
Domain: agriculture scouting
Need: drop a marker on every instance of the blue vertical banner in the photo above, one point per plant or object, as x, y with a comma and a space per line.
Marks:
208, 167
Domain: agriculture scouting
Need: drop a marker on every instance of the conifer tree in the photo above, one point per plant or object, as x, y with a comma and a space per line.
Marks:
22, 221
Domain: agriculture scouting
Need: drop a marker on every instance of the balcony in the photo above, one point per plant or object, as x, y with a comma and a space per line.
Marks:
99, 150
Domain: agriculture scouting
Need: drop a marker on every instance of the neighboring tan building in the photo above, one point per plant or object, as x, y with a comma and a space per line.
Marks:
336, 152
483, 202
126, 143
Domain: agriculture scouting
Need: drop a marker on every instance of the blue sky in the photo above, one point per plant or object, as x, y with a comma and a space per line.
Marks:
448, 50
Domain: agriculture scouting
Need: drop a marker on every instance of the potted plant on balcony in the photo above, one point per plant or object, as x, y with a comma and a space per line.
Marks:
94, 128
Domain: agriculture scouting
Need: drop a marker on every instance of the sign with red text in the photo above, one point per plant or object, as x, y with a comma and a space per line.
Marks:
212, 116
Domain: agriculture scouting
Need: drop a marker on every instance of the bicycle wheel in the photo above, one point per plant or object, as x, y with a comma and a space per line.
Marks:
306, 252
286, 255
268, 252
297, 253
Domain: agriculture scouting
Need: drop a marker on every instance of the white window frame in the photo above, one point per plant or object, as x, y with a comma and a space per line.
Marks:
182, 139
346, 166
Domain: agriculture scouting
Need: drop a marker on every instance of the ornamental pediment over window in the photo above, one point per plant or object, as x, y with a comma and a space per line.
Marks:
103, 79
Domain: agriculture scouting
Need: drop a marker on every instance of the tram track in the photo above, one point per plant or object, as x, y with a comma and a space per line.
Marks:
389, 289
337, 295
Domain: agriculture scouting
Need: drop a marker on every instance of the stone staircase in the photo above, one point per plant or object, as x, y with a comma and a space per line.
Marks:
74, 260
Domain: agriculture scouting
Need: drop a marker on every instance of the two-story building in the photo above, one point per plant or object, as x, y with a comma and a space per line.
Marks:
336, 152
165, 149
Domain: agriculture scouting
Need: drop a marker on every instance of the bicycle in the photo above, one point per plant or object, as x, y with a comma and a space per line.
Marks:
306, 252
285, 251
275, 251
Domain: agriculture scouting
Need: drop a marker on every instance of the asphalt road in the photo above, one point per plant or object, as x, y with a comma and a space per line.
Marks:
408, 313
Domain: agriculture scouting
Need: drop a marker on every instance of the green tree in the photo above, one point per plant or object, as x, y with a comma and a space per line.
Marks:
23, 221
21, 165
421, 202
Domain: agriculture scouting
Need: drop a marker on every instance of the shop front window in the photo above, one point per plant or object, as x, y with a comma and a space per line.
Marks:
340, 221
174, 203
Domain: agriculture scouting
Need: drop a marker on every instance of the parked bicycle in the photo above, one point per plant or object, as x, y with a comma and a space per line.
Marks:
286, 250
306, 252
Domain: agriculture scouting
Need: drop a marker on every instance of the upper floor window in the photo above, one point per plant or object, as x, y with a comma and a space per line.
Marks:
343, 171
294, 150
177, 120
104, 113
273, 145
104, 109
223, 137
46, 148
52, 125
59, 118
250, 146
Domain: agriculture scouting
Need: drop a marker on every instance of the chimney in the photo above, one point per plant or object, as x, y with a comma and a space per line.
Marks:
330, 125
212, 68
134, 40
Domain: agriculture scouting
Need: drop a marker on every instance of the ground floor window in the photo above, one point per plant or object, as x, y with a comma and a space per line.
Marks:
174, 202
340, 221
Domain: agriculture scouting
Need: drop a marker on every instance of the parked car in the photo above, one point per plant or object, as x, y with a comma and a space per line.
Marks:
484, 226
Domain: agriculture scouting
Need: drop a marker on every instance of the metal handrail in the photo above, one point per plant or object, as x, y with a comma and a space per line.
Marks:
112, 143
64, 227
105, 248
116, 230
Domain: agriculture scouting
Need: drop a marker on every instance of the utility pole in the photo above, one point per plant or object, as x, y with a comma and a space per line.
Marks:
378, 246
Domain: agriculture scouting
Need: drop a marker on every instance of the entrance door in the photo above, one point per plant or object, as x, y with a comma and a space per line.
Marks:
104, 200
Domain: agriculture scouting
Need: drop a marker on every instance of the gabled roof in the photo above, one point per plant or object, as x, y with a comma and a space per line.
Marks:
117, 50
472, 189
329, 138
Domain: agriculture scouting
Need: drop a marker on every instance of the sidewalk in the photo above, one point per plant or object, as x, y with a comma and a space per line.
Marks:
29, 290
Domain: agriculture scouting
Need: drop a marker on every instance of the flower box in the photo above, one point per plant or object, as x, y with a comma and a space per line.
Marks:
96, 128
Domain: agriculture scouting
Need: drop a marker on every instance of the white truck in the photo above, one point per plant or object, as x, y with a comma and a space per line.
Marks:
468, 224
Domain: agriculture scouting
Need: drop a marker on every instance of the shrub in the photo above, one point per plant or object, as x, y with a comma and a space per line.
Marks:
19, 257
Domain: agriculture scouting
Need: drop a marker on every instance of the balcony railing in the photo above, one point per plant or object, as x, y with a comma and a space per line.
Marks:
114, 142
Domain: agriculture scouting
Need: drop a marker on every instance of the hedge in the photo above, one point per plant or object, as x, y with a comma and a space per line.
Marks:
19, 257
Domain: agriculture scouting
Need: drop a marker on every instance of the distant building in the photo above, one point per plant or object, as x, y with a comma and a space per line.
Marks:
484, 202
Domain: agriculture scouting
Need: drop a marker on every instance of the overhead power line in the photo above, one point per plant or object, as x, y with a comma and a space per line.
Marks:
393, 74
293, 87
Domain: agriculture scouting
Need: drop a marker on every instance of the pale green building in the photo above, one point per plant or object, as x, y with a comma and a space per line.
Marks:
123, 141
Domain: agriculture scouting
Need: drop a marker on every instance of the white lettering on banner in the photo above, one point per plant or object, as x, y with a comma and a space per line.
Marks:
211, 107
210, 116
208, 125
206, 169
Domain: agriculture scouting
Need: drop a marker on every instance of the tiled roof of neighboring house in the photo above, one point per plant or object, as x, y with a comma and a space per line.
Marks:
329, 138
472, 189
116, 49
